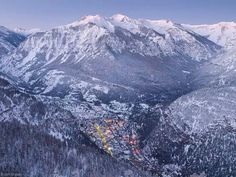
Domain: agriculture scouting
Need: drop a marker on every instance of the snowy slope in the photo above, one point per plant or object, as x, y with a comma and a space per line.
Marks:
223, 33
196, 135
219, 70
27, 32
205, 108
9, 40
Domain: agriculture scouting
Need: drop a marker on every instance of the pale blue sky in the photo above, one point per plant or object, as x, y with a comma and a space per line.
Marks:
49, 13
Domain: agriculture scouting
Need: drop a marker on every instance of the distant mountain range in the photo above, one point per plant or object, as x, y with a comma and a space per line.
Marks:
155, 95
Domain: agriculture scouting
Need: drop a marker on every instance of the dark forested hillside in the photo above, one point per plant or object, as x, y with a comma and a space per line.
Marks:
27, 151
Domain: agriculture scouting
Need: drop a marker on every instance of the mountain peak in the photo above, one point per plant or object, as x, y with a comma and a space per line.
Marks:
123, 21
120, 17
27, 32
162, 23
93, 19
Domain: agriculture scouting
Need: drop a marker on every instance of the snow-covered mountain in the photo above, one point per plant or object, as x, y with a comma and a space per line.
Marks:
223, 33
110, 55
9, 40
27, 32
220, 70
157, 94
206, 107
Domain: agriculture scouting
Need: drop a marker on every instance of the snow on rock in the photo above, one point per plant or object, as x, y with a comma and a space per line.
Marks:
52, 79
102, 89
9, 40
27, 32
125, 22
204, 108
223, 33
97, 20
219, 71
198, 175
